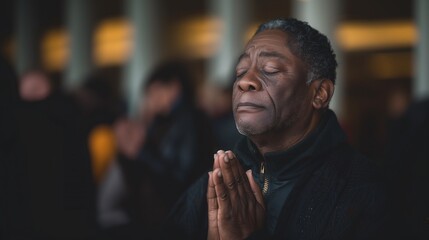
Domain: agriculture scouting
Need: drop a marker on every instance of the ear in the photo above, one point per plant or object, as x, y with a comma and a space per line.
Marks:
324, 89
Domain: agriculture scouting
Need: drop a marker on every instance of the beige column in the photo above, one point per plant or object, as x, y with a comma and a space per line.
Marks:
323, 15
79, 27
234, 16
27, 36
421, 51
145, 53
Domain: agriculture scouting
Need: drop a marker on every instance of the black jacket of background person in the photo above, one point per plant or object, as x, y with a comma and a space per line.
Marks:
336, 192
407, 169
47, 190
175, 154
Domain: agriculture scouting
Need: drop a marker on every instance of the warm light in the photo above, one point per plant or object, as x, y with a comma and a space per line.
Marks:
102, 146
391, 65
55, 49
199, 37
379, 35
9, 49
113, 42
250, 32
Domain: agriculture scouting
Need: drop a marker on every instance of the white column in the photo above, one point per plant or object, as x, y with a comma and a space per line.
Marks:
235, 19
323, 15
79, 28
421, 52
27, 38
143, 16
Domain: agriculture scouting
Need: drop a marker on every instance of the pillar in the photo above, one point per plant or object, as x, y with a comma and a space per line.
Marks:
27, 36
323, 15
421, 53
235, 17
80, 64
143, 16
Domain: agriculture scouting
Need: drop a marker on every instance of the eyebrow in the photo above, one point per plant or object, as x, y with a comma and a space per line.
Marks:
272, 55
264, 55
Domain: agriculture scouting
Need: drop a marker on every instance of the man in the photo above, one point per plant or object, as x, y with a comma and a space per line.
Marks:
293, 176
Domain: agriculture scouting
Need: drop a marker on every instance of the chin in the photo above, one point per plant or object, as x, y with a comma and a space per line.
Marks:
248, 129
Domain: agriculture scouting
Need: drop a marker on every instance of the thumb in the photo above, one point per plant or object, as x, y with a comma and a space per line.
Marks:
255, 188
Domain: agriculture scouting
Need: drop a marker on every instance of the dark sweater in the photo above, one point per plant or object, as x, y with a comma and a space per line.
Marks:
335, 193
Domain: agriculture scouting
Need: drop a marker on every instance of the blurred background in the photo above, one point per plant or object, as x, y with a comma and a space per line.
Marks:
377, 43
104, 52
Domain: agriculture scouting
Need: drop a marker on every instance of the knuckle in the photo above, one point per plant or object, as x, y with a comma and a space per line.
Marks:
224, 196
231, 185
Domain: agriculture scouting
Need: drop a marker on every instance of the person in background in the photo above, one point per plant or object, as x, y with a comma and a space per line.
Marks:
293, 175
50, 191
406, 165
8, 99
216, 102
100, 108
160, 154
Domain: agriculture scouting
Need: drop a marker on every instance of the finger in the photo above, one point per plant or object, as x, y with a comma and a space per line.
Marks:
237, 170
244, 185
223, 198
212, 207
255, 188
216, 159
228, 177
211, 193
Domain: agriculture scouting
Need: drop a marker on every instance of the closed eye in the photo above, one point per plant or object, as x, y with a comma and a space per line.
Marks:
271, 72
240, 74
270, 69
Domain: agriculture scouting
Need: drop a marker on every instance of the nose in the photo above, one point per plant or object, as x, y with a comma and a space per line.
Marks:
249, 82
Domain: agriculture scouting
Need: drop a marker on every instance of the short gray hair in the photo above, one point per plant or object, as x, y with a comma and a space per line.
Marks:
312, 47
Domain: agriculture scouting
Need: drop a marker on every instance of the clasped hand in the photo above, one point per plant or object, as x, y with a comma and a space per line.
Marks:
235, 202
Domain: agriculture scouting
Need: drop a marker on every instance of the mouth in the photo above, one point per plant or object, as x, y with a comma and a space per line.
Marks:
248, 107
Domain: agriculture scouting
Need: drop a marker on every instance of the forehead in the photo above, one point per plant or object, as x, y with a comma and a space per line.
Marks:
268, 40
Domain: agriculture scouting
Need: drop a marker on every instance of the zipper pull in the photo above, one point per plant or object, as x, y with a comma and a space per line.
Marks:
264, 178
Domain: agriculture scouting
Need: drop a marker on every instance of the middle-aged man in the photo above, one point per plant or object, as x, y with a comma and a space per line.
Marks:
293, 176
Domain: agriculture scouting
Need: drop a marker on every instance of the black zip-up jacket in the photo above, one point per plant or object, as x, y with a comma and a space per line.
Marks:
320, 189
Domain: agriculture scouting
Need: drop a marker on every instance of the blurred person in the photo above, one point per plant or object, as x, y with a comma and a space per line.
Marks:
215, 100
406, 165
8, 82
8, 98
160, 154
34, 85
398, 101
293, 175
49, 187
100, 108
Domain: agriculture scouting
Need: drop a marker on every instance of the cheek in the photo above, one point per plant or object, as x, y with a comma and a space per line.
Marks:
293, 104
277, 99
284, 101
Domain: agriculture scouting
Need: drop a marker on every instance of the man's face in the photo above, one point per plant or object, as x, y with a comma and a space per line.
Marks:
270, 94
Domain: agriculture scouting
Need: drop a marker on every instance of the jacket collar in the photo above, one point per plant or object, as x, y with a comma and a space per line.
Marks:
288, 164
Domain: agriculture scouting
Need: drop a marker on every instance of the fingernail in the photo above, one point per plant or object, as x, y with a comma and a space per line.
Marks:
226, 159
219, 151
219, 174
230, 155
214, 156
